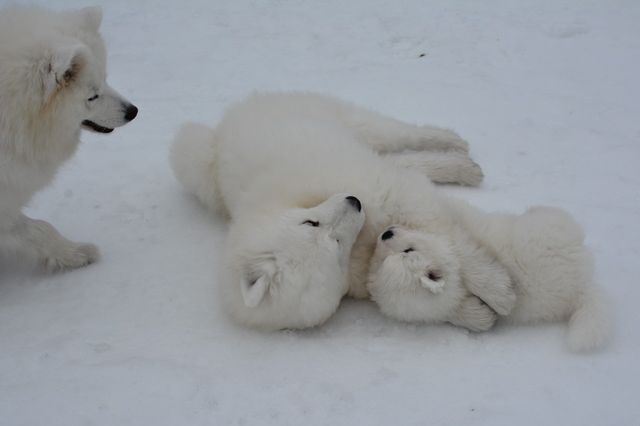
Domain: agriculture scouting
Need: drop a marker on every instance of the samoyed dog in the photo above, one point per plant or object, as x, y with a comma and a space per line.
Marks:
417, 276
308, 183
52, 84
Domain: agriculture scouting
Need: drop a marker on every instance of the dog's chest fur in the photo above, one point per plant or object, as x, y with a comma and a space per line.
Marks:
25, 170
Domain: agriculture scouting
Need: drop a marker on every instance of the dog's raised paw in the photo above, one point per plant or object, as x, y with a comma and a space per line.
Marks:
72, 256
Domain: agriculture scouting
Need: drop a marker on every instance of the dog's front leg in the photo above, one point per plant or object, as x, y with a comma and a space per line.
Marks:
40, 240
483, 275
473, 314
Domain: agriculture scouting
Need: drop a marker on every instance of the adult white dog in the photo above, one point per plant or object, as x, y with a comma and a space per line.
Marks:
293, 171
52, 83
417, 276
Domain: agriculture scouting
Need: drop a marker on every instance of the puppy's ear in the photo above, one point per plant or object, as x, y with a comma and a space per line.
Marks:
89, 17
433, 281
253, 292
257, 281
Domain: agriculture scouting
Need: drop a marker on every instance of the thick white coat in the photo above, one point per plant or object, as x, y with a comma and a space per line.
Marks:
274, 159
541, 252
52, 82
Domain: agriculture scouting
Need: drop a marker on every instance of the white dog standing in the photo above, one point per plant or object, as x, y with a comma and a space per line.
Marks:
416, 276
286, 169
52, 83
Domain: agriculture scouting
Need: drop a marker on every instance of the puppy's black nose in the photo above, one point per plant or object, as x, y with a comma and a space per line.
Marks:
130, 113
354, 202
387, 234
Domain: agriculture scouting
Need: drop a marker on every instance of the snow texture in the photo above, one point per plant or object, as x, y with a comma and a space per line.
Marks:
547, 95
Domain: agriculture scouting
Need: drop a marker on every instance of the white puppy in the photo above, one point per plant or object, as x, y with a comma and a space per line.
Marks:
420, 276
416, 276
285, 168
52, 83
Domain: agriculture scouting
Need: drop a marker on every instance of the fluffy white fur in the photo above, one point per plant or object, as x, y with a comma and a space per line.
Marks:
278, 164
52, 82
420, 276
415, 276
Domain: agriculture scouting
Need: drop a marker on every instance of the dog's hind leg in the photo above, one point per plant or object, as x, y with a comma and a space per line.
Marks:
440, 166
39, 240
386, 134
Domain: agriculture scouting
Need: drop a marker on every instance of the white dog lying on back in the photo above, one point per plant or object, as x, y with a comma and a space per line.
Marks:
416, 276
52, 83
287, 168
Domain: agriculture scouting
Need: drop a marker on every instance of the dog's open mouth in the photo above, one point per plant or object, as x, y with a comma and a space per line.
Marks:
96, 127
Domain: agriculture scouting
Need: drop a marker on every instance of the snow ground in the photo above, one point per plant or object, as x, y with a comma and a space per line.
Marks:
546, 93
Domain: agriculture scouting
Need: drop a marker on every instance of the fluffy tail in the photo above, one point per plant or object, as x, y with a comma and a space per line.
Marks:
590, 325
192, 160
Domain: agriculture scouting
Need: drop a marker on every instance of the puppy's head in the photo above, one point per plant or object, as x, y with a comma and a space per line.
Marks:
57, 69
414, 276
289, 269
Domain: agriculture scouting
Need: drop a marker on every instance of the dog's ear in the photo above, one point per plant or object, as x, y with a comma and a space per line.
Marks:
65, 64
257, 280
89, 17
253, 291
432, 280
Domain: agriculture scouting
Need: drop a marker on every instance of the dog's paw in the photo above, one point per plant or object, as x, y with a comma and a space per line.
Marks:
452, 141
474, 315
442, 139
456, 142
504, 299
470, 173
72, 256
499, 290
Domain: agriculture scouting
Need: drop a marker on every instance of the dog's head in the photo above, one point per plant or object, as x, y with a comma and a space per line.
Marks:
54, 67
289, 269
414, 275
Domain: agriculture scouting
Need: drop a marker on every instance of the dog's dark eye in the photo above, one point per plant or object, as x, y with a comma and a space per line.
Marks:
434, 275
313, 223
93, 98
409, 250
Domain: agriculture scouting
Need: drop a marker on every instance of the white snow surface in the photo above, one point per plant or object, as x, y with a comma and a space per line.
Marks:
545, 92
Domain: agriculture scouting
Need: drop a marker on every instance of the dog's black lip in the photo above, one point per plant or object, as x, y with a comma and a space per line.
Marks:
96, 127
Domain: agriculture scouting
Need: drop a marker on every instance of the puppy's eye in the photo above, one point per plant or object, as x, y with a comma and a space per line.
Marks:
409, 250
93, 98
313, 223
434, 275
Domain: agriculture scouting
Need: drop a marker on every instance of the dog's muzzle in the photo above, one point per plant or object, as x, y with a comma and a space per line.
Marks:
129, 112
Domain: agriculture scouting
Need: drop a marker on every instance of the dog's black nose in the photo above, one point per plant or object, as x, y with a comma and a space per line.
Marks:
130, 113
354, 202
387, 234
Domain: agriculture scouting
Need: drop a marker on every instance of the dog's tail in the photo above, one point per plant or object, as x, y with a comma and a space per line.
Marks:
590, 325
193, 161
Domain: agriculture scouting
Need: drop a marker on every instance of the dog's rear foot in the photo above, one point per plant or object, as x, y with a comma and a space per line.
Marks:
71, 256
